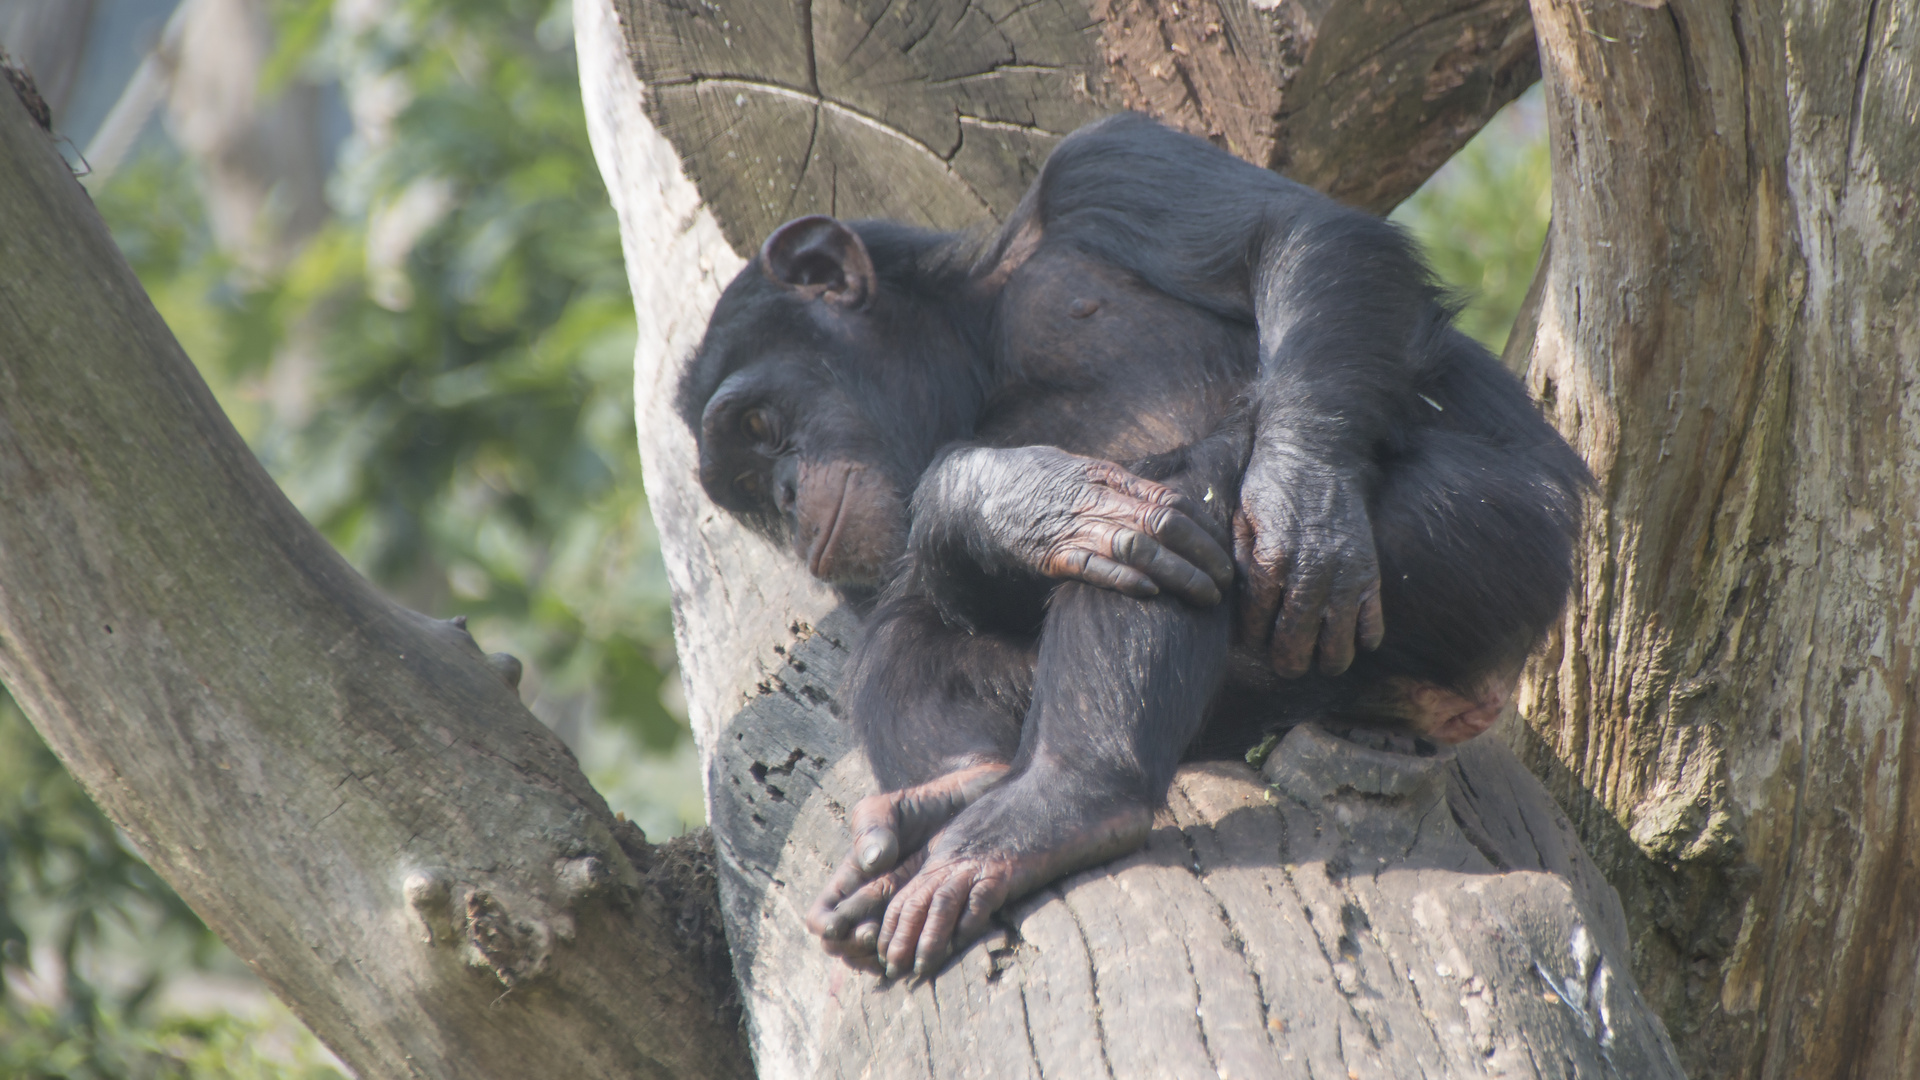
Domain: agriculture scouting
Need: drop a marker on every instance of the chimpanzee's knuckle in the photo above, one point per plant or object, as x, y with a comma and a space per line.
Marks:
1065, 561
1140, 549
1151, 519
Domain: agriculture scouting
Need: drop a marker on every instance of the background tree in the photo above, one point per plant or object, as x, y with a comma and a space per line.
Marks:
1729, 332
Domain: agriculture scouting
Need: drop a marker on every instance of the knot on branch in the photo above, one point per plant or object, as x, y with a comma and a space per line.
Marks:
1379, 789
516, 949
508, 930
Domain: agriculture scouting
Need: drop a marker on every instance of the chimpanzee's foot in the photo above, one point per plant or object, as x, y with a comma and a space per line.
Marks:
846, 915
851, 928
1447, 716
1014, 840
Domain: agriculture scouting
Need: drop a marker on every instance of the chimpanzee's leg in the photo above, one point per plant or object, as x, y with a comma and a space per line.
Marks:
928, 698
938, 710
1119, 689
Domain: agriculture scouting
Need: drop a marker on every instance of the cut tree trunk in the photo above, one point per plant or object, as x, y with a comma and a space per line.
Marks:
1730, 332
939, 112
1351, 913
345, 791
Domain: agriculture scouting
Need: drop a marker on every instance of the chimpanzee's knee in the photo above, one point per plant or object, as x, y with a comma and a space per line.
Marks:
1476, 545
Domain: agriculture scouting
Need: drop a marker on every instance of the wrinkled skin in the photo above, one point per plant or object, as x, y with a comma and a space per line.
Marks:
1304, 547
1073, 518
846, 915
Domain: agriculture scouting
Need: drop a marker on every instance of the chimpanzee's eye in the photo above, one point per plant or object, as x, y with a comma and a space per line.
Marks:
750, 485
754, 423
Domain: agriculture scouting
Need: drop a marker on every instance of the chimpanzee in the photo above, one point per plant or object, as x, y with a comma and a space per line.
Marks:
934, 422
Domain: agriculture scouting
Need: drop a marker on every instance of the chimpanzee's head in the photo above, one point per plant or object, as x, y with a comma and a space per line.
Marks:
832, 369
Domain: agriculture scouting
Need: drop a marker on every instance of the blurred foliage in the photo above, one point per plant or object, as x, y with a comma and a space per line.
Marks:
441, 379
1483, 217
112, 931
37, 1043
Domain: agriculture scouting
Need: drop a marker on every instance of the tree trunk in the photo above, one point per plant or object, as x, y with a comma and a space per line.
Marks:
1730, 332
1337, 922
345, 791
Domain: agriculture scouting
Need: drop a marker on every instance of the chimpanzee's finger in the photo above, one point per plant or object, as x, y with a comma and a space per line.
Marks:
1104, 572
1297, 629
1160, 499
1373, 624
1169, 571
1176, 529
1336, 635
1259, 585
1147, 491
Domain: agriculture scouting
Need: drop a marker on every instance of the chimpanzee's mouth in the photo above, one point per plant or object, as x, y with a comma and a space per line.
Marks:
825, 554
851, 522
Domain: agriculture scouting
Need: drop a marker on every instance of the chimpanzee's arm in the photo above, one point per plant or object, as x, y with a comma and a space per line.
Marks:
1039, 509
1342, 305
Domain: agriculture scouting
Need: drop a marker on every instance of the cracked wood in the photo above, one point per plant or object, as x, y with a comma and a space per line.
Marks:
940, 112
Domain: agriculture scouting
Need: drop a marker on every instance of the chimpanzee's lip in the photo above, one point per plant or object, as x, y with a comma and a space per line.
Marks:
821, 559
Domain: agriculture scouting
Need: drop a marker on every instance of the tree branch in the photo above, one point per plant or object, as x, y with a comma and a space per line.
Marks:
344, 790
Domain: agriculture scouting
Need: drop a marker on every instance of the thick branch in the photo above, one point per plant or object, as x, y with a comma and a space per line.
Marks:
344, 790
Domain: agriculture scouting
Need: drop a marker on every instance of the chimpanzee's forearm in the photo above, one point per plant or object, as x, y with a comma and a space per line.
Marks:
1016, 511
1344, 308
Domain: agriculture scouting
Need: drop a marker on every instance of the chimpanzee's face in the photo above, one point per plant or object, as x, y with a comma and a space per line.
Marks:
803, 430
786, 447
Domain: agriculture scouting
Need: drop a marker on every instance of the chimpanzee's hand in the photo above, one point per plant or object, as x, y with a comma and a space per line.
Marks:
1305, 549
1067, 516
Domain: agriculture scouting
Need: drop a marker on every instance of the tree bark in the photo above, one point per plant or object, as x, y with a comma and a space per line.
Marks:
1730, 332
1350, 912
345, 791
940, 111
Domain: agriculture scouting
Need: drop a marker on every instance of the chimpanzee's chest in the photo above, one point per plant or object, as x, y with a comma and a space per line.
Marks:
1105, 365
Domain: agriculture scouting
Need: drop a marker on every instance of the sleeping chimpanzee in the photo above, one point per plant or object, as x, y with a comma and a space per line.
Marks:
937, 417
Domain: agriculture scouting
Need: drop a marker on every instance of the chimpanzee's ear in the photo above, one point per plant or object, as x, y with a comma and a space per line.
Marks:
817, 256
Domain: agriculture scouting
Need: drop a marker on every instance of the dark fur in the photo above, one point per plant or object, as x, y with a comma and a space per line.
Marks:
1345, 358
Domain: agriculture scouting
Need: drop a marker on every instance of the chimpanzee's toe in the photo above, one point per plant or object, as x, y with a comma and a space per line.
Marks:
890, 832
839, 909
945, 906
893, 824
